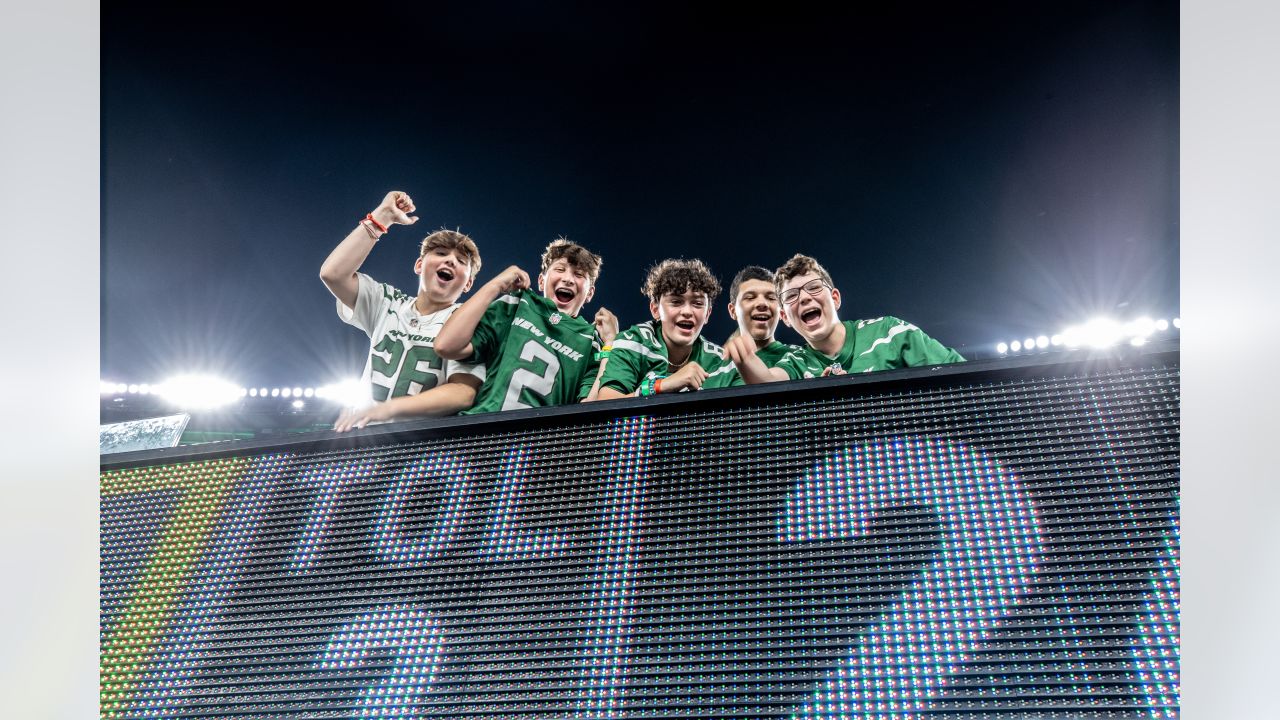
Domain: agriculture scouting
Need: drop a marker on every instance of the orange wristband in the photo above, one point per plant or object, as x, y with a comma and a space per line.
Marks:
380, 226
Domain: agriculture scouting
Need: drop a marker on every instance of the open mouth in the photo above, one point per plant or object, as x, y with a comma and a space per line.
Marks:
445, 274
564, 295
810, 316
761, 317
686, 325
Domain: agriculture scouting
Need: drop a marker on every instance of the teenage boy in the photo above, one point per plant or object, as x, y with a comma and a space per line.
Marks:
669, 354
537, 351
753, 304
810, 301
404, 374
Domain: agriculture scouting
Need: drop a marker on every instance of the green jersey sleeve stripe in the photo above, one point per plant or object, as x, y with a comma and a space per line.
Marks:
893, 331
637, 348
728, 367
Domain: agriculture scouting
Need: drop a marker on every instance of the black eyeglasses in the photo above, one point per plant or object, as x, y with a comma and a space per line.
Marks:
813, 287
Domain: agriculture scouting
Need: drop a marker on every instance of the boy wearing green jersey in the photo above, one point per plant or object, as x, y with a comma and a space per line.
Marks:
536, 350
753, 304
669, 354
810, 301
404, 374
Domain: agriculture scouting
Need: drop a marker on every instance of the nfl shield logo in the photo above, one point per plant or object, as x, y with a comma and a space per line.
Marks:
554, 319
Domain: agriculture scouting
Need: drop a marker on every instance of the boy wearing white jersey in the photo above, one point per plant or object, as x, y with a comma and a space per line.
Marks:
404, 374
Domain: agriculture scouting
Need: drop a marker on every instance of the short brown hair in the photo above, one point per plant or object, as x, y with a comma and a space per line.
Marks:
750, 272
800, 265
676, 277
576, 255
453, 240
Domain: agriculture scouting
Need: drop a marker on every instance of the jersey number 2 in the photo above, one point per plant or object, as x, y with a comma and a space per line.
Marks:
523, 379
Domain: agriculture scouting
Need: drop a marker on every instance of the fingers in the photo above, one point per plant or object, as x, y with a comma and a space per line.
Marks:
734, 353
521, 279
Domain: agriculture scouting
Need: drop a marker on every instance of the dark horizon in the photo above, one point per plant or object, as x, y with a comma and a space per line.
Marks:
983, 176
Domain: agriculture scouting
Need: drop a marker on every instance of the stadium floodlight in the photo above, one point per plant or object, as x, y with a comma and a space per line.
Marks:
253, 392
1137, 341
1102, 332
1029, 343
286, 392
1143, 327
1015, 346
1177, 322
133, 389
275, 392
1042, 342
298, 404
144, 389
297, 392
308, 392
1002, 348
348, 393
1056, 340
121, 388
1162, 325
262, 392
244, 391
198, 391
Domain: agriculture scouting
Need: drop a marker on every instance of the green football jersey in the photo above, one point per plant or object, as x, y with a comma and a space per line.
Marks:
883, 343
534, 354
640, 352
773, 353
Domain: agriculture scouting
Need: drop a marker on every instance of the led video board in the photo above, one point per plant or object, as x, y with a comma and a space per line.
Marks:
986, 545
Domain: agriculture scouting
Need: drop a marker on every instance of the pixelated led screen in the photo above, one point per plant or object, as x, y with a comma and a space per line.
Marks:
995, 548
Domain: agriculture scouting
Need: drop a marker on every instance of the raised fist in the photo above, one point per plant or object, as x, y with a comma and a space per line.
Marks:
511, 280
607, 325
394, 209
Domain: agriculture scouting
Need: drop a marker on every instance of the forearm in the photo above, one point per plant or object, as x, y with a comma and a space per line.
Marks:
447, 399
595, 386
453, 342
608, 393
338, 271
754, 371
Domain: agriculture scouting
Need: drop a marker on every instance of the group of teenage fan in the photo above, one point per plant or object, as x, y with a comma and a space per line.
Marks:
519, 344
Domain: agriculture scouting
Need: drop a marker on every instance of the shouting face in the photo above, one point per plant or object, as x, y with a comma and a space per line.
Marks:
443, 274
809, 306
567, 285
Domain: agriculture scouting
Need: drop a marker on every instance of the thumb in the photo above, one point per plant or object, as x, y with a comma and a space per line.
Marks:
411, 219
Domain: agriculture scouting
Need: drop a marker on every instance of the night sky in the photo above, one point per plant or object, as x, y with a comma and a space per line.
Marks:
984, 172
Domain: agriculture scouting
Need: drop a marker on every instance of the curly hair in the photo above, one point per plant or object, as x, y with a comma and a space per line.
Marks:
676, 277
453, 240
750, 272
576, 255
800, 265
